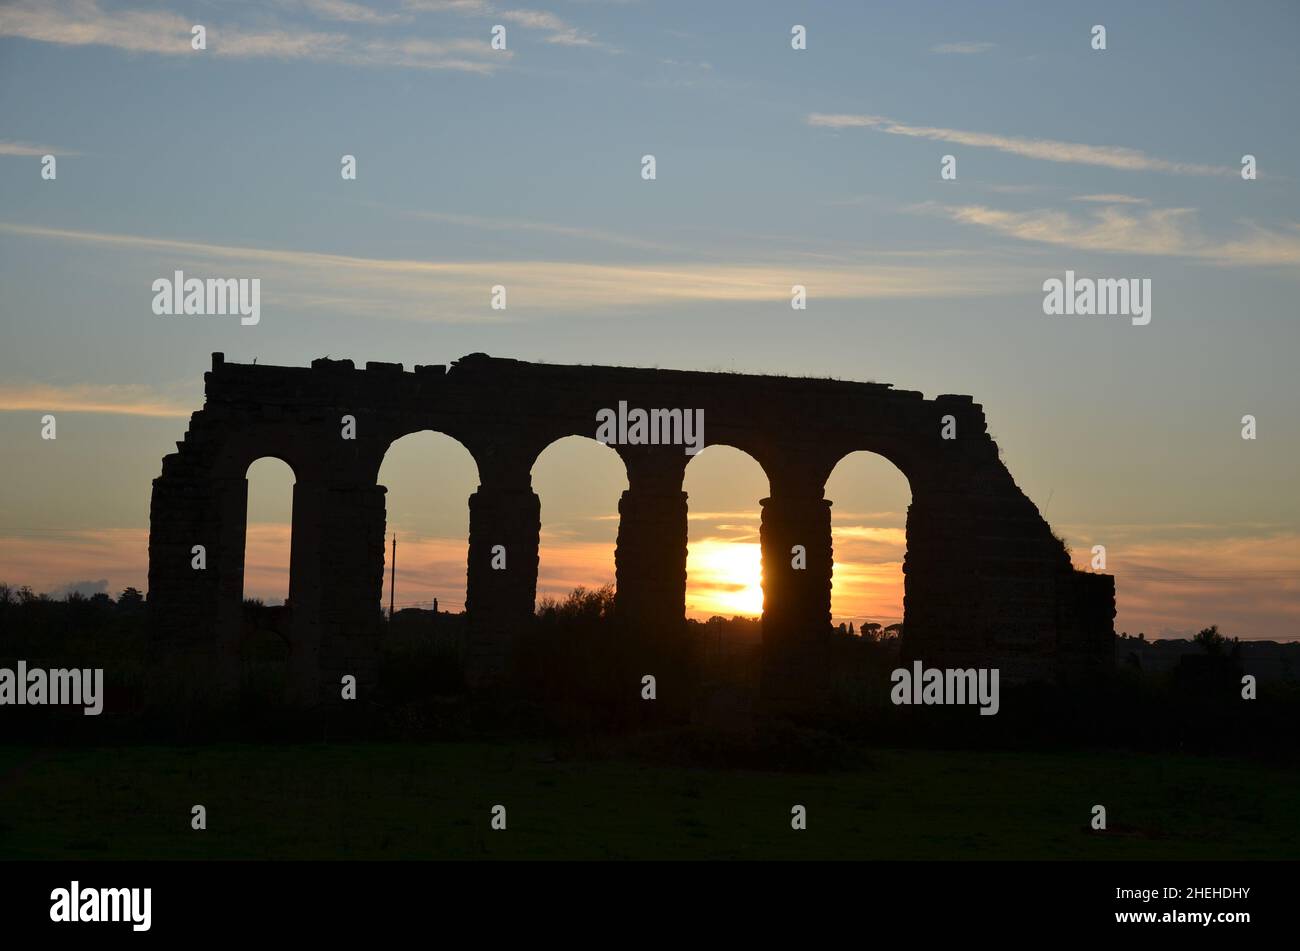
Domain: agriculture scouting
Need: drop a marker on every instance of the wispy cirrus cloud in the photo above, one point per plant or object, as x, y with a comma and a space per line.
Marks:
557, 30
161, 32
168, 33
1112, 199
452, 291
1121, 229
962, 49
124, 399
346, 11
1048, 150
1020, 189
10, 147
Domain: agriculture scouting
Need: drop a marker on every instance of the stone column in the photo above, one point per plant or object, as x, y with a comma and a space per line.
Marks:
941, 584
227, 562
335, 587
650, 560
650, 593
796, 601
306, 591
196, 614
499, 600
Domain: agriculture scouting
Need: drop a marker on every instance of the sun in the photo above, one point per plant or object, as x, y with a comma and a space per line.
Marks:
725, 578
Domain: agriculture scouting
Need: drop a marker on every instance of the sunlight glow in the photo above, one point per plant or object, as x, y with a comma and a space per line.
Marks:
724, 578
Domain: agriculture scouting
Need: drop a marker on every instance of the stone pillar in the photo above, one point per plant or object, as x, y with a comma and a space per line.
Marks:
195, 614
335, 588
228, 565
650, 592
650, 560
499, 601
796, 601
306, 591
941, 580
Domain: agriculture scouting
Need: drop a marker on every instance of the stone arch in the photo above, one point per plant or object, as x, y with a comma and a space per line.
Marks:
265, 640
262, 651
390, 431
553, 579
987, 583
272, 469
241, 448
728, 569
423, 472
869, 498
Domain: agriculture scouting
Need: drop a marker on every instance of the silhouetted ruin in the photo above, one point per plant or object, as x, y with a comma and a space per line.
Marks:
987, 584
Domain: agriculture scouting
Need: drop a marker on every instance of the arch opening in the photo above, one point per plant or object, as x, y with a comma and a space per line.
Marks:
579, 482
870, 497
724, 558
724, 577
265, 615
429, 477
268, 540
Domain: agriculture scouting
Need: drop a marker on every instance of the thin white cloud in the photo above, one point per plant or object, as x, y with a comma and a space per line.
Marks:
10, 147
347, 12
85, 23
1017, 189
458, 291
126, 399
967, 48
1161, 231
557, 29
1048, 150
1112, 199
463, 7
559, 32
534, 19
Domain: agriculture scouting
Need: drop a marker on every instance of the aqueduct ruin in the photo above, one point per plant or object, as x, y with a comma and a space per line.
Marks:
986, 581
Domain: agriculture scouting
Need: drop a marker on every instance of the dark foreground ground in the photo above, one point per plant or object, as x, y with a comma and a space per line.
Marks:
429, 801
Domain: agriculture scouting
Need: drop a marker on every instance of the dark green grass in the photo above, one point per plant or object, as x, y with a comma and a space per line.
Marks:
421, 801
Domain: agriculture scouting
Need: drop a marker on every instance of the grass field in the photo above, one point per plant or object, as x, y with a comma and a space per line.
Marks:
419, 801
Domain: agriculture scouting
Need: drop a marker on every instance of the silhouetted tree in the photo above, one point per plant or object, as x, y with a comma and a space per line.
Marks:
1215, 644
580, 603
1210, 639
130, 600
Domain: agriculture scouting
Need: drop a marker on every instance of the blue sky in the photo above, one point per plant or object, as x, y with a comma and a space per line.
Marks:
774, 167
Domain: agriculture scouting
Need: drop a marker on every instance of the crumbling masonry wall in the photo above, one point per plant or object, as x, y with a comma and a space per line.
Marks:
986, 582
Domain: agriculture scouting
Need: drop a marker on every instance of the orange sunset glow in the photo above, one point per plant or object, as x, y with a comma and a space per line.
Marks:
724, 578
1171, 578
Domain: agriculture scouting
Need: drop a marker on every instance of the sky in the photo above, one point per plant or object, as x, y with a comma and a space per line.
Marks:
774, 166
